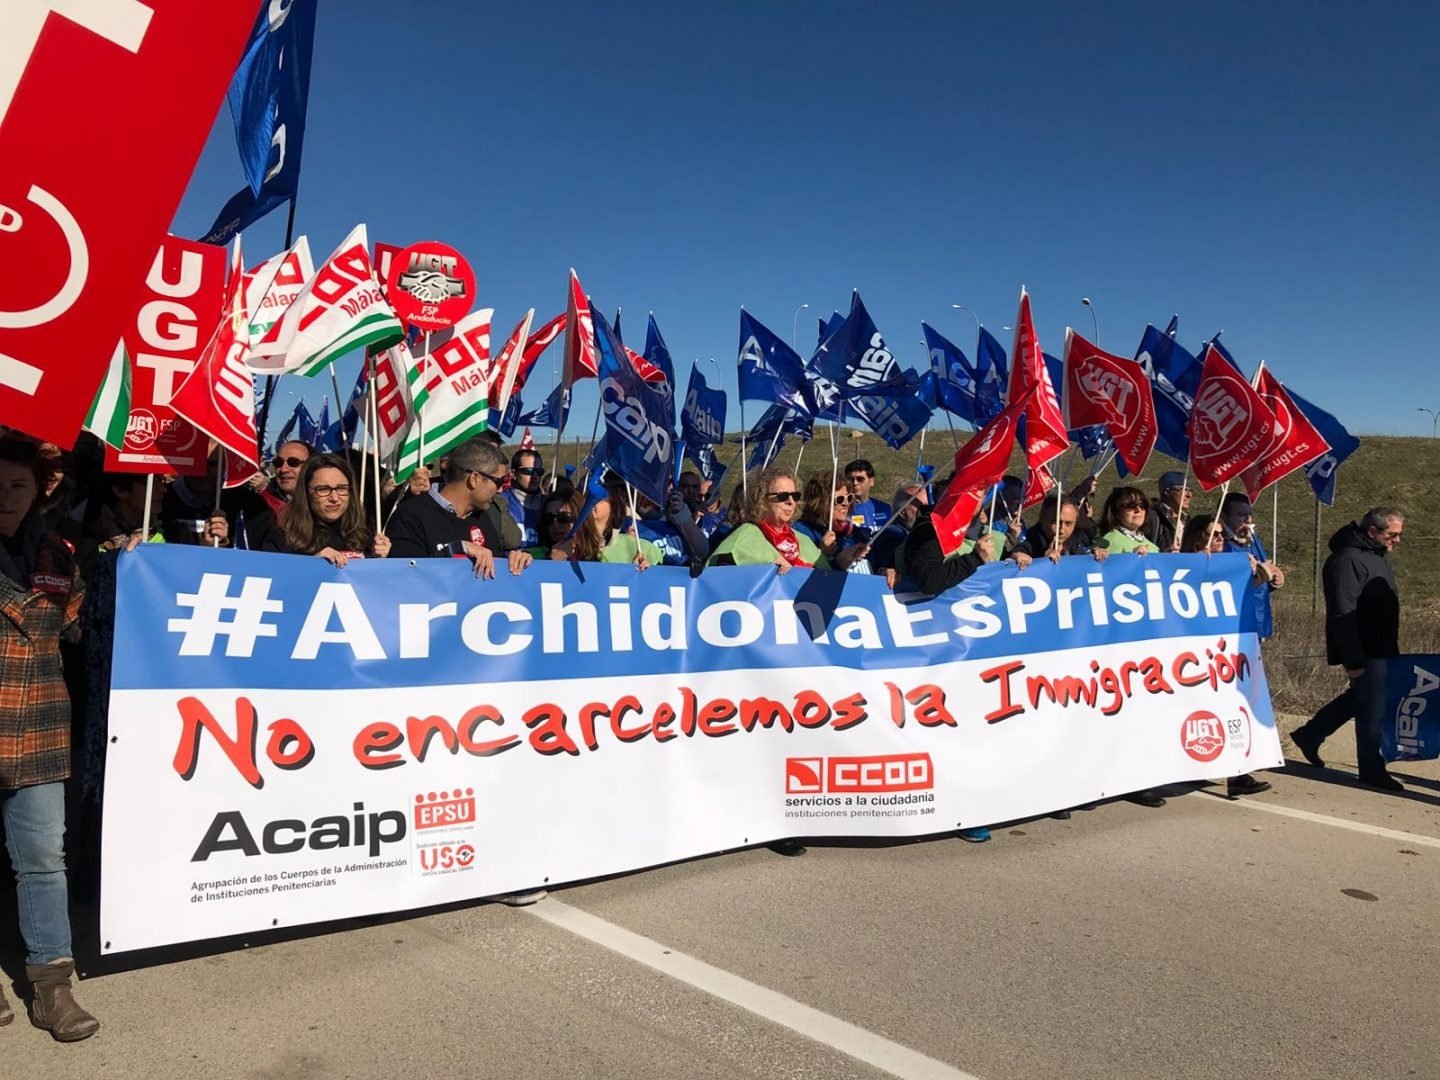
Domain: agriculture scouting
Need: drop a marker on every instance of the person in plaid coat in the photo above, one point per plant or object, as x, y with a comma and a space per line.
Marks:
40, 596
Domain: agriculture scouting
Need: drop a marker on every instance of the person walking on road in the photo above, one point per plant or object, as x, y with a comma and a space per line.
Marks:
1362, 630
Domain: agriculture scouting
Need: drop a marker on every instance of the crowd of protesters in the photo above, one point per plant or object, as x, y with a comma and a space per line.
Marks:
62, 519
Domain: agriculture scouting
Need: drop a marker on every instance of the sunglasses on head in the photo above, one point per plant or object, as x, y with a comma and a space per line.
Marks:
783, 496
293, 462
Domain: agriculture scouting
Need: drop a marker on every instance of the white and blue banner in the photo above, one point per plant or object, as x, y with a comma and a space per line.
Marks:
291, 743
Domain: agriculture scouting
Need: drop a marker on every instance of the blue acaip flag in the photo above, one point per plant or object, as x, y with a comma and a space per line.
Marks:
771, 370
951, 383
268, 99
784, 421
320, 437
1321, 471
506, 423
992, 371
1174, 377
553, 412
301, 424
1411, 728
658, 353
828, 327
637, 444
705, 460
856, 359
594, 493
702, 419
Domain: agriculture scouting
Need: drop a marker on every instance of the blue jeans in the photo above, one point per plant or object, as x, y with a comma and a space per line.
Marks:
35, 835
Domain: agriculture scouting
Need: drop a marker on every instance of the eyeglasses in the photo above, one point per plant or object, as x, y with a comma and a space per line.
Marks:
324, 491
844, 500
531, 471
293, 462
783, 496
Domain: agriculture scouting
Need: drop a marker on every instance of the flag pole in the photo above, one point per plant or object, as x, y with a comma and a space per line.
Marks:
1315, 581
1274, 518
798, 457
770, 453
835, 455
272, 382
219, 489
920, 456
149, 499
1180, 513
420, 412
335, 385
554, 454
372, 431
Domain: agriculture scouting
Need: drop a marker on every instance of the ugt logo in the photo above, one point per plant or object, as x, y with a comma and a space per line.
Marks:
1202, 735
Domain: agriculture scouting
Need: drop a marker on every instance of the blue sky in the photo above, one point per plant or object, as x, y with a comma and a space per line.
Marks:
1269, 170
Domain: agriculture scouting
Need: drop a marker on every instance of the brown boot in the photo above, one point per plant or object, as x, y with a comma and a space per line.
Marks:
6, 1013
54, 1008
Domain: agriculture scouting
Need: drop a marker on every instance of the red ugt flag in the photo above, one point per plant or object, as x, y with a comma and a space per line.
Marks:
1297, 442
1101, 388
1045, 434
1231, 427
979, 465
103, 110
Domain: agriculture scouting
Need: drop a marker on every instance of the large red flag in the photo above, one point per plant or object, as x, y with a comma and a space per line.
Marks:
219, 396
1109, 390
1296, 443
538, 342
580, 362
979, 465
104, 108
1045, 435
1231, 427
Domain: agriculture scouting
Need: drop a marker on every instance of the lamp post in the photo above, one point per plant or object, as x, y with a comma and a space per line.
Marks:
973, 315
1434, 419
795, 325
1094, 318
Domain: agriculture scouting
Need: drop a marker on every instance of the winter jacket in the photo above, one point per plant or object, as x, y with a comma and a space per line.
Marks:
1362, 604
34, 701
926, 564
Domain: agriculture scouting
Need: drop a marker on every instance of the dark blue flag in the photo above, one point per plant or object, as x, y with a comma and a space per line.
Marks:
856, 359
1174, 377
702, 420
1321, 471
951, 383
595, 493
268, 98
993, 373
828, 327
553, 412
897, 418
506, 423
658, 353
782, 420
637, 444
319, 438
342, 433
301, 425
709, 465
770, 370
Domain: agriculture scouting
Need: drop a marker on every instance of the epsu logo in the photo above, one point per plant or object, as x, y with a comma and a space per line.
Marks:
859, 775
445, 809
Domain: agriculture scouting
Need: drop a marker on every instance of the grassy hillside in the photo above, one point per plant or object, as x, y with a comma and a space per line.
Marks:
1403, 472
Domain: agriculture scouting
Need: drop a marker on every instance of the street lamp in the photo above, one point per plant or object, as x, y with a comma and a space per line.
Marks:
1093, 317
795, 324
965, 307
1434, 419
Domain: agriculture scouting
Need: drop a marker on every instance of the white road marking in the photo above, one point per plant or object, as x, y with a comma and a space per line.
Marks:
1334, 822
823, 1028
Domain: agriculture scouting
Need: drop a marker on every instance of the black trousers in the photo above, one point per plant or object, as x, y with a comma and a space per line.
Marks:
1363, 699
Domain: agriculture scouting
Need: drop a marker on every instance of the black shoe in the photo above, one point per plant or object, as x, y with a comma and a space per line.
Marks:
1245, 784
1146, 798
789, 848
1061, 815
1381, 781
1310, 751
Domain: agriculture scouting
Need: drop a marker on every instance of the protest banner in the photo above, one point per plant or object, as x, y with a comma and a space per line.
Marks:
291, 743
178, 313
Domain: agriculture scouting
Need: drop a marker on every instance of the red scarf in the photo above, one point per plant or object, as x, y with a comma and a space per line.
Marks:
785, 542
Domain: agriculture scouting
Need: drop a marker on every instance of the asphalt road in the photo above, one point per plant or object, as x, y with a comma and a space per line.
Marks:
1293, 934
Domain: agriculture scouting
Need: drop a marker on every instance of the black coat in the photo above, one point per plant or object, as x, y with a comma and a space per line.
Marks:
1362, 604
932, 572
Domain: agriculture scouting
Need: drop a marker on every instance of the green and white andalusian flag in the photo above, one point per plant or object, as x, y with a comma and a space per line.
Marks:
340, 309
110, 411
449, 387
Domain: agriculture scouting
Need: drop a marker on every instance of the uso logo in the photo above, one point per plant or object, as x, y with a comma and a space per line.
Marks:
1202, 735
445, 857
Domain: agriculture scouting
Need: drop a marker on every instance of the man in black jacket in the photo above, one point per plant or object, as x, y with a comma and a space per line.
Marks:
932, 571
1362, 630
455, 518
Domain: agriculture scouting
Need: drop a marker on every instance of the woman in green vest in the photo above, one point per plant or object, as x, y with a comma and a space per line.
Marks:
1120, 524
768, 535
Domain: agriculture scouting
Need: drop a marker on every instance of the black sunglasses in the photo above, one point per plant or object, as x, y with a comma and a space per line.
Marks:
293, 462
530, 471
498, 481
783, 496
857, 478
563, 519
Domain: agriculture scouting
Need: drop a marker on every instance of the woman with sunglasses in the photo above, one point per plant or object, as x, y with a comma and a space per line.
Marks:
325, 517
825, 517
769, 534
1121, 522
558, 514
